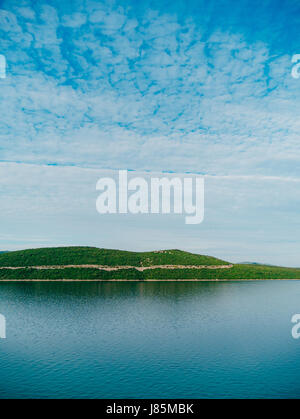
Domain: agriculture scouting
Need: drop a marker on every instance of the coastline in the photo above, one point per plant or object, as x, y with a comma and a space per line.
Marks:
116, 268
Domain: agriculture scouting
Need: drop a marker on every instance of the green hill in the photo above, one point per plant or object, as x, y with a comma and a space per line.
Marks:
94, 256
50, 264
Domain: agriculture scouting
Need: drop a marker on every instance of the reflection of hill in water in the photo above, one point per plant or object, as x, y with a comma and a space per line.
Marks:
113, 290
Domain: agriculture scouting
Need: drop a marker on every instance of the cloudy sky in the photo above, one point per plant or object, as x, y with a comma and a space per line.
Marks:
197, 86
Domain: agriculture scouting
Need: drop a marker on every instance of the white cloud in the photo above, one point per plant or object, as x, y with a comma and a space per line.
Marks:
100, 87
246, 218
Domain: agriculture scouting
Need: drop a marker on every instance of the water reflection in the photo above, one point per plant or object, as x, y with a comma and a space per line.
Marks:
164, 339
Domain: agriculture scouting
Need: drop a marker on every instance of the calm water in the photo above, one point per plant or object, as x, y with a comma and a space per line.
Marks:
150, 340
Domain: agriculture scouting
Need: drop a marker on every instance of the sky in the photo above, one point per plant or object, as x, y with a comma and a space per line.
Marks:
202, 87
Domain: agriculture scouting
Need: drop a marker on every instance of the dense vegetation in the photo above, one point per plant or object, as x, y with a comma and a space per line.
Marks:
94, 256
238, 272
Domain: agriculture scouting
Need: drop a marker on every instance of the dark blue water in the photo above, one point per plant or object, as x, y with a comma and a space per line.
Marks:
149, 340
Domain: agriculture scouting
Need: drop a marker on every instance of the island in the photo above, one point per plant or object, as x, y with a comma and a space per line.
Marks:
93, 264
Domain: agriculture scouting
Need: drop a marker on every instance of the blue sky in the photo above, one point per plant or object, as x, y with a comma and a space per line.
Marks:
182, 86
